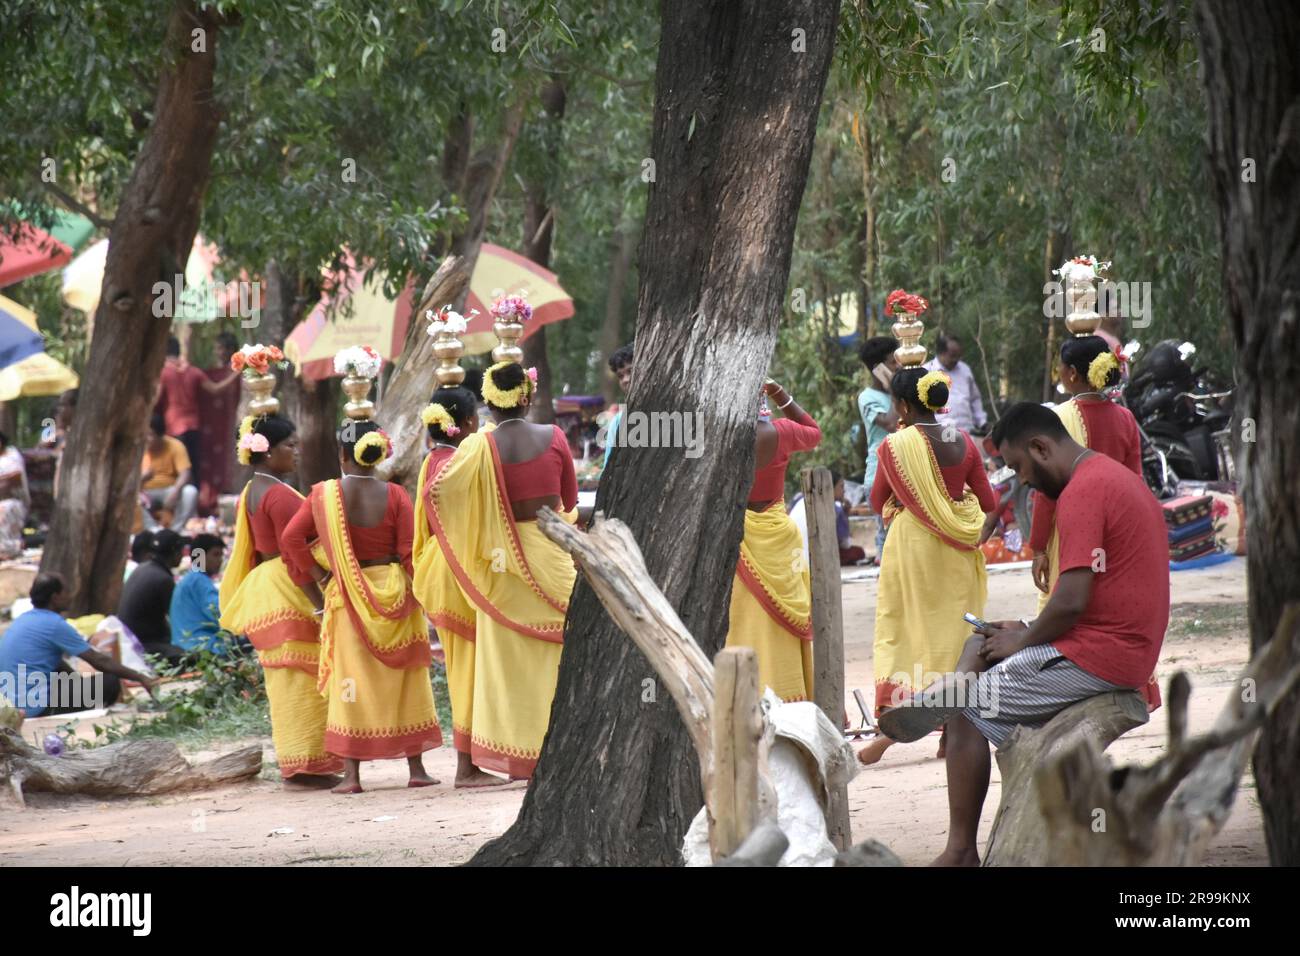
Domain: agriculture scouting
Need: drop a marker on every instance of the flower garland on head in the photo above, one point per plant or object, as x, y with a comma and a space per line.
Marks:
1099, 369
375, 439
507, 398
242, 447
924, 383
436, 414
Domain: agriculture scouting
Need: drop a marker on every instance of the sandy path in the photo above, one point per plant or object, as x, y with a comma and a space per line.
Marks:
901, 801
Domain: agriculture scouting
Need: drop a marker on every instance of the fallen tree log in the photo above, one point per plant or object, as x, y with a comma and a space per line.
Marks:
1019, 834
1165, 814
126, 769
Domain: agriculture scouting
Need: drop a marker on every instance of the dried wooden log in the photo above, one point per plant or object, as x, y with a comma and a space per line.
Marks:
828, 627
1019, 834
612, 563
124, 769
764, 846
412, 381
1167, 813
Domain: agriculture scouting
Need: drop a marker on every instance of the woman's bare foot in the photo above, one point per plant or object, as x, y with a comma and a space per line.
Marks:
415, 766
351, 777
873, 751
951, 857
348, 786
477, 779
314, 781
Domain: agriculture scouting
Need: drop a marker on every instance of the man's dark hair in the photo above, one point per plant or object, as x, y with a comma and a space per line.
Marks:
875, 350
167, 546
946, 339
157, 425
206, 543
142, 546
44, 588
229, 340
173, 346
1026, 420
620, 357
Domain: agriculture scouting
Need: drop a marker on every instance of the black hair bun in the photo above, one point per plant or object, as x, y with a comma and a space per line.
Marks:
372, 454
938, 395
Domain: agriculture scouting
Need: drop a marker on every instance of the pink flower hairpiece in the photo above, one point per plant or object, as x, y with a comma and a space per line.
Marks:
532, 374
255, 443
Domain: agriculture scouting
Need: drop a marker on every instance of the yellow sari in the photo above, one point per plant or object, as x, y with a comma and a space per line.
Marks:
436, 589
260, 601
771, 603
518, 581
374, 666
932, 572
1073, 421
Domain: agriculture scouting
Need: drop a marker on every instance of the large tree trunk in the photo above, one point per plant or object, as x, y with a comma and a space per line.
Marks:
150, 242
1250, 64
735, 115
539, 231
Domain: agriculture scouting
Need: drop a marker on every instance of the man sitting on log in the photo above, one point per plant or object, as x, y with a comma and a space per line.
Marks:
32, 671
1101, 630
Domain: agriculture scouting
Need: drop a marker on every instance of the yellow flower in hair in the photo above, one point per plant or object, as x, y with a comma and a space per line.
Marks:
505, 397
375, 439
924, 384
437, 414
245, 429
1099, 369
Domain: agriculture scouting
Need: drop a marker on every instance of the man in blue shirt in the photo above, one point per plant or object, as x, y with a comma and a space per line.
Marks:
33, 675
876, 407
195, 607
620, 363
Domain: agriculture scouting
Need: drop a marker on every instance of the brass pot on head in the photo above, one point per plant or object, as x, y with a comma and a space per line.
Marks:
509, 332
357, 389
1081, 316
907, 329
260, 387
448, 349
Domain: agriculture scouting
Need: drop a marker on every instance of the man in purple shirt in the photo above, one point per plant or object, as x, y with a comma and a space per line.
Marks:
965, 410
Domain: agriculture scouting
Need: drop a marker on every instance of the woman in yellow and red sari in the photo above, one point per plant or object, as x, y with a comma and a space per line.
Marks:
263, 598
771, 602
1088, 367
482, 508
374, 665
932, 489
450, 417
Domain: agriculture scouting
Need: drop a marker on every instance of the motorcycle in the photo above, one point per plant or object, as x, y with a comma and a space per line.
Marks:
1184, 417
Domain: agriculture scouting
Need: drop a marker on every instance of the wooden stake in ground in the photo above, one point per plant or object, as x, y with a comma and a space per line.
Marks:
828, 627
735, 780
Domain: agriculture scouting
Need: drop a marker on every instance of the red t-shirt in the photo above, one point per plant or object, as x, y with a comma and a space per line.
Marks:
1107, 514
182, 394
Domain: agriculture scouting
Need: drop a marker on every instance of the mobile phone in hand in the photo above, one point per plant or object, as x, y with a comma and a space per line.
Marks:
975, 622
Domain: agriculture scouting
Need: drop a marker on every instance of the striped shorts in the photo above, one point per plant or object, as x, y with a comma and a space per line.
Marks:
1028, 689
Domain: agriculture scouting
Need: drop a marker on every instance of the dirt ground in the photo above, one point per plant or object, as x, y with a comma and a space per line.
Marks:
901, 801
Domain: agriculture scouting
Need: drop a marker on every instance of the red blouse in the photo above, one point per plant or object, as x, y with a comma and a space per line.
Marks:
275, 510
969, 472
1113, 431
436, 459
796, 433
550, 473
393, 535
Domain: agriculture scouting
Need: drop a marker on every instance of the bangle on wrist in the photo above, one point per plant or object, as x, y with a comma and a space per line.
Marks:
789, 401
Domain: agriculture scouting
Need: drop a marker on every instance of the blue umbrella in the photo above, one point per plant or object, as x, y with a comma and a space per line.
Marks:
18, 340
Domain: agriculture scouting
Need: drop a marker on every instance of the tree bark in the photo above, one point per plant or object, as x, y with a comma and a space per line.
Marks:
539, 231
735, 116
150, 242
1250, 66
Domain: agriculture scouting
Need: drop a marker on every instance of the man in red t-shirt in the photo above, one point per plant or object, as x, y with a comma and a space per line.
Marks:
1101, 630
180, 395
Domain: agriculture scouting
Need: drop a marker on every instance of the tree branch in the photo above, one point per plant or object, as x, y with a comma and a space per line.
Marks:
79, 207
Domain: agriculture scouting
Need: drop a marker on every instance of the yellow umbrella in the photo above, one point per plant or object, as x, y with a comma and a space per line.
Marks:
38, 374
498, 272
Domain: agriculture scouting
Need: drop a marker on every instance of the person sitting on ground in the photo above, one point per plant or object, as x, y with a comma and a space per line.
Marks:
32, 665
147, 597
620, 363
14, 499
166, 478
195, 609
1101, 630
141, 548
